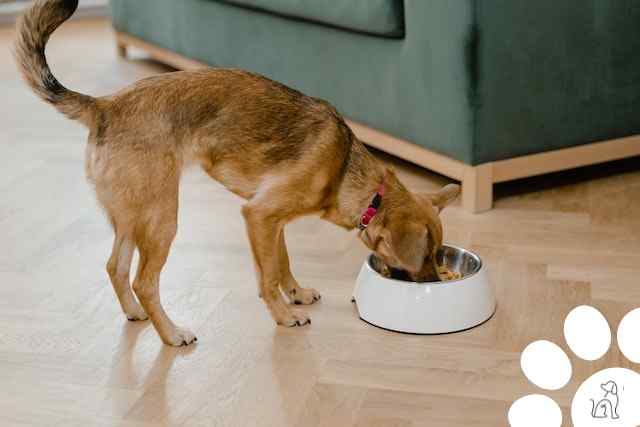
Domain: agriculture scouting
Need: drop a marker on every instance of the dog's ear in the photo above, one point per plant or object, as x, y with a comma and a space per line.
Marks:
443, 197
408, 241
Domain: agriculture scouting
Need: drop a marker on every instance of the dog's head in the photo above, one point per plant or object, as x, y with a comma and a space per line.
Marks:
408, 232
610, 387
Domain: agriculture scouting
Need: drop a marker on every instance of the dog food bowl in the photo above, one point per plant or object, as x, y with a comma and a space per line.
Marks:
430, 307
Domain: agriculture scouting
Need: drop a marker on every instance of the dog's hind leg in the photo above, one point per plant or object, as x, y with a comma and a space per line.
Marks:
288, 283
154, 236
119, 267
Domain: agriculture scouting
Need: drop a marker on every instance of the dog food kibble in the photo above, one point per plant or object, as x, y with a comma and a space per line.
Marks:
447, 274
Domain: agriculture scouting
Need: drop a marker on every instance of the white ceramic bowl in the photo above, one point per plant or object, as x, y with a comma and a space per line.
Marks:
431, 307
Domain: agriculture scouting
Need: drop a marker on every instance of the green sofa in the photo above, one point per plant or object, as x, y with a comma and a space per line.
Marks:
474, 89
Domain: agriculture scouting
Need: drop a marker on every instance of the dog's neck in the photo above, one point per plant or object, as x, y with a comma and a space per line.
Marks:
362, 178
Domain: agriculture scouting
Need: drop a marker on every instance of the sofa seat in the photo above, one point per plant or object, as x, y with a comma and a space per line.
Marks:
477, 81
378, 17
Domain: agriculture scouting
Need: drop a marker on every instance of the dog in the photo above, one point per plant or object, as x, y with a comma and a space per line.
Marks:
607, 407
285, 153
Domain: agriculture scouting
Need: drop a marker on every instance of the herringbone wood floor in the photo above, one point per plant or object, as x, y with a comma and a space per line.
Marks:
69, 358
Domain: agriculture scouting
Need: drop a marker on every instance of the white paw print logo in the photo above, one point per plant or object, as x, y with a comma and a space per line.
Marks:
607, 398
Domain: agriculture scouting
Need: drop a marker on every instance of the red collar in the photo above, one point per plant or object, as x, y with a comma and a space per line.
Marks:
372, 209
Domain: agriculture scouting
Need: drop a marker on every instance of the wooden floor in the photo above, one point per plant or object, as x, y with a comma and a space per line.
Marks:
69, 358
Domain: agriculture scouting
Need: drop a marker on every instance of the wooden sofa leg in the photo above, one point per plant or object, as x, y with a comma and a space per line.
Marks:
121, 49
477, 188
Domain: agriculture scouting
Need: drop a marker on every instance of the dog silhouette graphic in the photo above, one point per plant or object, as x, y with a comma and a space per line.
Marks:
607, 407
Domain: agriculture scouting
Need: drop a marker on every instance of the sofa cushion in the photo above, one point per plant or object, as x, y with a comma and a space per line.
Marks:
379, 17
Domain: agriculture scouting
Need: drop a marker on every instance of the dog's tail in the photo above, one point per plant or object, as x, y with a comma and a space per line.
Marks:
33, 30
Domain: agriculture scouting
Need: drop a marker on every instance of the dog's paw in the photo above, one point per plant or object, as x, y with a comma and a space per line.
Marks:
305, 296
135, 314
296, 319
180, 337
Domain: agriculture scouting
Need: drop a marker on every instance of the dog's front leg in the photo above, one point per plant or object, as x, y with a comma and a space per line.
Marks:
264, 228
289, 285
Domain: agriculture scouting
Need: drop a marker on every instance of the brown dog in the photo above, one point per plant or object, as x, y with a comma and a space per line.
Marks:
287, 154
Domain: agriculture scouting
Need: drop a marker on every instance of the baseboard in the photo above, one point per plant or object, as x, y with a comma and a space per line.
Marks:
566, 158
10, 11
